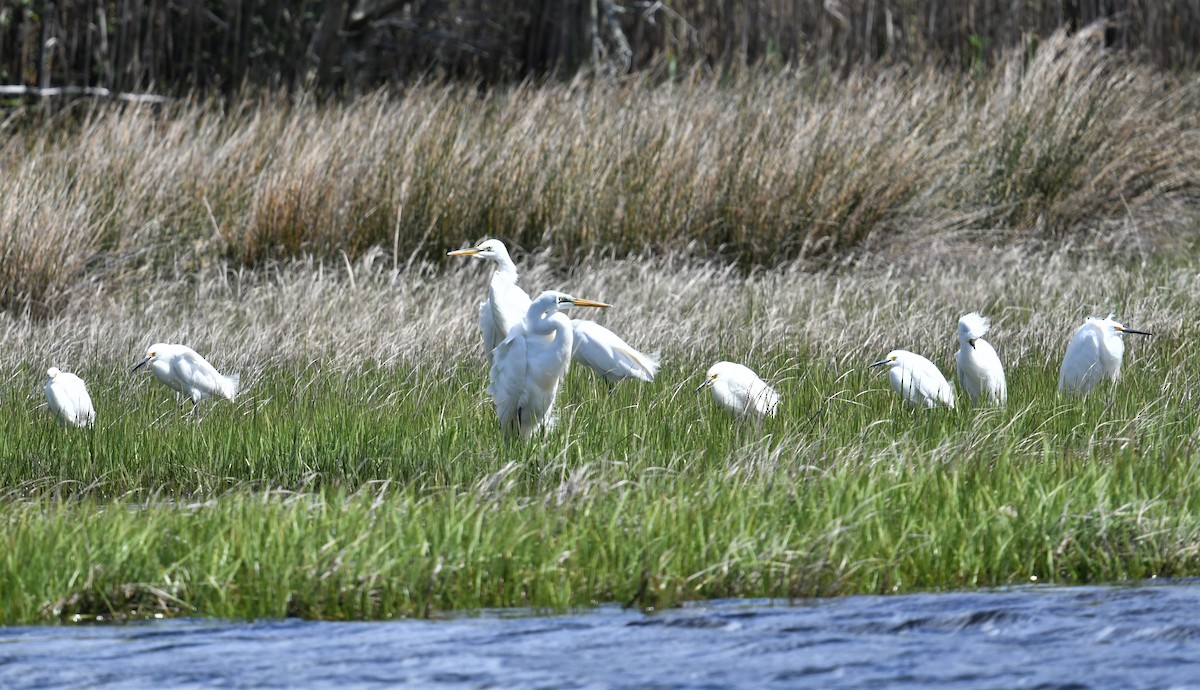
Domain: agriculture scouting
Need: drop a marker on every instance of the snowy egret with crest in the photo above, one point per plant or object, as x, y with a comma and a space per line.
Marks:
68, 398
596, 347
181, 368
739, 390
979, 369
530, 363
1095, 353
918, 381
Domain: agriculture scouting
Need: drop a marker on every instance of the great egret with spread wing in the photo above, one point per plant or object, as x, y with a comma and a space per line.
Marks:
596, 347
180, 368
68, 398
605, 353
1095, 353
530, 363
739, 390
918, 381
979, 369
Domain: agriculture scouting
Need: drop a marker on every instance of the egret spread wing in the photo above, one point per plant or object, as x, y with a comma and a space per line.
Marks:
605, 353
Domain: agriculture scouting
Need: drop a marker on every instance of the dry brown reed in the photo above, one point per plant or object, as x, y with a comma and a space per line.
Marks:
1068, 142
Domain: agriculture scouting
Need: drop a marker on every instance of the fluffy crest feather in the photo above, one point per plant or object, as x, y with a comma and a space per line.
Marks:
973, 325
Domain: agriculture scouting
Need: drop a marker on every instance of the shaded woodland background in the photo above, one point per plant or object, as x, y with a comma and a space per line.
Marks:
220, 46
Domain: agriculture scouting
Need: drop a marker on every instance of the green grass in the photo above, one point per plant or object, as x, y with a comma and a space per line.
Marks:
386, 490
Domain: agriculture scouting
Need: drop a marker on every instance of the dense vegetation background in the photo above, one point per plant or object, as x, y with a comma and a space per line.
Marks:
799, 186
178, 46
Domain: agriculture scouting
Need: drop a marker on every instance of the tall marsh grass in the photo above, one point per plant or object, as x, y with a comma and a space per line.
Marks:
361, 472
1068, 141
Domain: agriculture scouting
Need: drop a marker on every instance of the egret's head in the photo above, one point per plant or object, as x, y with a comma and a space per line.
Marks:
490, 250
971, 327
52, 372
709, 379
151, 353
553, 300
1111, 326
891, 360
1123, 330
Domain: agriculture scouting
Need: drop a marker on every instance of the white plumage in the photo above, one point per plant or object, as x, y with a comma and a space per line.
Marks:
530, 363
68, 398
1095, 353
979, 369
740, 391
918, 381
506, 303
596, 347
180, 368
605, 353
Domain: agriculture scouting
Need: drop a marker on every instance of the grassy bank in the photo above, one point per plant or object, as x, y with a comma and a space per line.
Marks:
384, 552
361, 474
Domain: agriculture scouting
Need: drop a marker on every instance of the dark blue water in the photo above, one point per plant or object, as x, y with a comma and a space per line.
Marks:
1039, 637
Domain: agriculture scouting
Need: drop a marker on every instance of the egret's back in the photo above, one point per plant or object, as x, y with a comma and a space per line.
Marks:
605, 353
740, 391
981, 373
186, 371
69, 400
1082, 367
919, 382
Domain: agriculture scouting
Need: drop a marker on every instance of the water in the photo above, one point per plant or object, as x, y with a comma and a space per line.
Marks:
1037, 637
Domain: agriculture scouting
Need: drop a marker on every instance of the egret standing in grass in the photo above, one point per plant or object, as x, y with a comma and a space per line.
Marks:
530, 363
596, 347
180, 368
918, 381
740, 391
1095, 353
979, 369
506, 303
69, 399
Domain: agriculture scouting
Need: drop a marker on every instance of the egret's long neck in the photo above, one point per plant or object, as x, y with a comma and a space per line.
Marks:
506, 270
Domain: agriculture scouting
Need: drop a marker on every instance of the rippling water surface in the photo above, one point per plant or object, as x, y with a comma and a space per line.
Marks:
1038, 637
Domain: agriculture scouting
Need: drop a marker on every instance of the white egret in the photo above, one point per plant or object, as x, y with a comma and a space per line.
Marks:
506, 303
739, 390
596, 347
179, 367
68, 398
605, 353
979, 369
530, 363
918, 381
1095, 353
